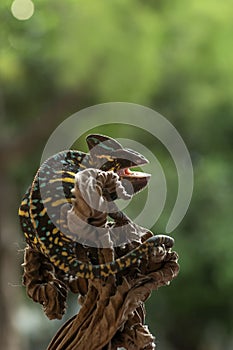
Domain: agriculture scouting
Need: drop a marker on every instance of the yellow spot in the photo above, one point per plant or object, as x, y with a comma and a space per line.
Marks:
53, 258
64, 253
109, 158
57, 262
120, 264
55, 231
35, 240
63, 267
66, 239
128, 262
82, 166
66, 269
43, 248
111, 269
91, 276
108, 266
104, 274
47, 200
56, 240
59, 202
80, 274
24, 201
23, 213
143, 249
43, 212
65, 179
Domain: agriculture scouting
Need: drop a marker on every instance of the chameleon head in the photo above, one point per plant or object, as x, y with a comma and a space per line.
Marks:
108, 154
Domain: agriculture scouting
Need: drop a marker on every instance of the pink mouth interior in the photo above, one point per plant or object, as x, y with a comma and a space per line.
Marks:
128, 172
125, 171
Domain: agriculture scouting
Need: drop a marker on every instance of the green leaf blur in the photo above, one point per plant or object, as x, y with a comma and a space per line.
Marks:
175, 57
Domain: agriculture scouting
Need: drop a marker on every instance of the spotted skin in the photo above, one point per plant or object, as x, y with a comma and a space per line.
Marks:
41, 207
45, 230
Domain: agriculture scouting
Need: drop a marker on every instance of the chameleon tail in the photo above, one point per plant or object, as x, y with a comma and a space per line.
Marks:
79, 269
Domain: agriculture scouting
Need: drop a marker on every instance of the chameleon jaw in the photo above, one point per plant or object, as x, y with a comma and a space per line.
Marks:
108, 154
133, 181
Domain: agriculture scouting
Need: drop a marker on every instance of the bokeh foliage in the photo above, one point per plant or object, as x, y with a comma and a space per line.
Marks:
175, 57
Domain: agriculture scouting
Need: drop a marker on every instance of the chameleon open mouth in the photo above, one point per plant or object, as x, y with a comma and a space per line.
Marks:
108, 154
133, 181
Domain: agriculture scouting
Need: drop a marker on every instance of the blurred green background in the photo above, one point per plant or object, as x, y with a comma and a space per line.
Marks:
175, 57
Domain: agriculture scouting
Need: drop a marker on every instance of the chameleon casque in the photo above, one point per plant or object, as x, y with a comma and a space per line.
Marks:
51, 189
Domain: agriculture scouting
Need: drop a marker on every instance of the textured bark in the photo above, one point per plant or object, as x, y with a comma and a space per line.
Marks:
112, 316
42, 285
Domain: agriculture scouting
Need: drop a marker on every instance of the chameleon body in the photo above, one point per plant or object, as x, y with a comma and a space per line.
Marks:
40, 211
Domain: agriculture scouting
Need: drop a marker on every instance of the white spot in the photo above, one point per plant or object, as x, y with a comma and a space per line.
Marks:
22, 9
